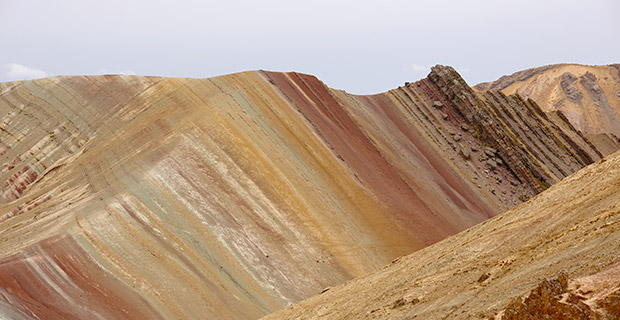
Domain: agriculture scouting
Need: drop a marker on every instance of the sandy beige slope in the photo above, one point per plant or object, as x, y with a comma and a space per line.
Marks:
572, 227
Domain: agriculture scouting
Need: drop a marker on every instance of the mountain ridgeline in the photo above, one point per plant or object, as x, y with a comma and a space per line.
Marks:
235, 196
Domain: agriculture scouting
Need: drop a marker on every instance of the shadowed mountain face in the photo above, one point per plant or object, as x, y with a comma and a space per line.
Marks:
589, 96
554, 257
234, 196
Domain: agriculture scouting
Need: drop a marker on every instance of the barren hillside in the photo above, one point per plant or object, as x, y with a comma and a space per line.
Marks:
234, 196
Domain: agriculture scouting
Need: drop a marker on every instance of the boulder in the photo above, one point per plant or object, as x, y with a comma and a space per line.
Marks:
465, 153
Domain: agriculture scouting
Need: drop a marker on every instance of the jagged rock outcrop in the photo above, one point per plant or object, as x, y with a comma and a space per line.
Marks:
592, 297
234, 196
534, 149
550, 300
569, 90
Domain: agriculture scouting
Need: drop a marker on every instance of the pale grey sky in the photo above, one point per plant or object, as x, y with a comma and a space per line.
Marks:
360, 46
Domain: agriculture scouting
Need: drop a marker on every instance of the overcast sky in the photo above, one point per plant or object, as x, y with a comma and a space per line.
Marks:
360, 46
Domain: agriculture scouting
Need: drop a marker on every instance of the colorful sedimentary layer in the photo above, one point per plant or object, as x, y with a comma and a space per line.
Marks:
553, 257
234, 196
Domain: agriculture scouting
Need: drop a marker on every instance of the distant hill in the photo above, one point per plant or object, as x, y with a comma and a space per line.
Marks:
589, 96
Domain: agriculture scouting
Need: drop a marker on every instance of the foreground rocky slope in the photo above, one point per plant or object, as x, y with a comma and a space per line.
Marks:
232, 197
589, 96
556, 255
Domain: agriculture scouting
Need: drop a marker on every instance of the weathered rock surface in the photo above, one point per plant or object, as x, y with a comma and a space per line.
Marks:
569, 90
536, 150
585, 94
234, 196
568, 234
592, 297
